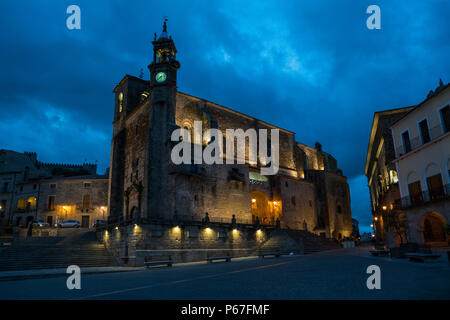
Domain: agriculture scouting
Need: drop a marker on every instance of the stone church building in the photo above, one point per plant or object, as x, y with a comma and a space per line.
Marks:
309, 192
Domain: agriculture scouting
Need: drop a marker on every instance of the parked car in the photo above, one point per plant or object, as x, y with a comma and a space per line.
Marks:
39, 223
69, 224
99, 224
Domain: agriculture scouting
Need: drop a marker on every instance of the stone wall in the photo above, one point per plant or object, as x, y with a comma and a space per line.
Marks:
69, 194
184, 243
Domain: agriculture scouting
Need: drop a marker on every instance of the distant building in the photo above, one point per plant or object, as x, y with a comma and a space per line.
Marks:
366, 236
407, 167
422, 144
355, 228
380, 170
31, 190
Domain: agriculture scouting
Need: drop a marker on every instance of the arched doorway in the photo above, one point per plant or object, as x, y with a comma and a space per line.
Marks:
261, 208
433, 227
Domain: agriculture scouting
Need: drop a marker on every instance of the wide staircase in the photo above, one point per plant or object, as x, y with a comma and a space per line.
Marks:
299, 241
80, 247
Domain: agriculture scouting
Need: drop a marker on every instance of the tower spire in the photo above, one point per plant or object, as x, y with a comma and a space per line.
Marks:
164, 34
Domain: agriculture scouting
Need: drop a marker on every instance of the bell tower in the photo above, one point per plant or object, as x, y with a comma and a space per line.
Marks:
163, 90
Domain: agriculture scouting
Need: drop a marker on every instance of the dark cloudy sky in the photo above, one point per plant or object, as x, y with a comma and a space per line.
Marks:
308, 66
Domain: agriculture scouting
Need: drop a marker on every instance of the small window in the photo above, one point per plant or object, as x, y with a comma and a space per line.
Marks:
424, 132
52, 186
293, 200
87, 185
339, 208
51, 203
86, 201
286, 184
445, 118
120, 102
406, 142
310, 203
34, 186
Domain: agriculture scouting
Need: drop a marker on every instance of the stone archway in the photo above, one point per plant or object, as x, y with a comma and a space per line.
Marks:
261, 208
433, 228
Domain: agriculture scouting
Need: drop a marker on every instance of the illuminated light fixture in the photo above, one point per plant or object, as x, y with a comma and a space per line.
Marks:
235, 231
176, 229
258, 231
384, 208
102, 207
376, 218
371, 225
253, 200
64, 207
373, 236
275, 202
208, 230
117, 228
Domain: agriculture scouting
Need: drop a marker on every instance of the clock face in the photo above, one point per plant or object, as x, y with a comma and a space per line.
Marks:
161, 77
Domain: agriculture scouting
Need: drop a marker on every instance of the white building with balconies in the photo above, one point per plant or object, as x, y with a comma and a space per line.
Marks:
422, 159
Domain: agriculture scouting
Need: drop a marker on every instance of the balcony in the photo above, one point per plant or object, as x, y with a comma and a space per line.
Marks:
416, 142
423, 198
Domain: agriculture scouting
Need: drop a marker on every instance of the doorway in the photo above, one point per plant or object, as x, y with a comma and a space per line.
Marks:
85, 221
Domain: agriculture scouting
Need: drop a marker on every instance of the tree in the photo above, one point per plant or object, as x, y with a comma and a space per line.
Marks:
397, 223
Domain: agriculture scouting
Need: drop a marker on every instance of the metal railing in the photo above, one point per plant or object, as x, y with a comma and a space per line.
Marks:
416, 142
424, 197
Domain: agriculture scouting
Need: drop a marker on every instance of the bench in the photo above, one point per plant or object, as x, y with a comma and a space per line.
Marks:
211, 259
155, 261
379, 253
275, 254
421, 257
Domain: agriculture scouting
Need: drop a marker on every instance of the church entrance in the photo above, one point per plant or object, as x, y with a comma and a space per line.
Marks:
261, 208
433, 227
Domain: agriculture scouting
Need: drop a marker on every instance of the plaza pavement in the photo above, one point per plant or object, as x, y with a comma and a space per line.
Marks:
335, 274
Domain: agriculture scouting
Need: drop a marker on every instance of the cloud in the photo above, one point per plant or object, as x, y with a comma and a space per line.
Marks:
311, 67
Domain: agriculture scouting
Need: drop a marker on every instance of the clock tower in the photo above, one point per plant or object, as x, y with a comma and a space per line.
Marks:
163, 90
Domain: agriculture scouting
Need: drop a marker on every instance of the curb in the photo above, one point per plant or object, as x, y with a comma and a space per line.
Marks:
59, 274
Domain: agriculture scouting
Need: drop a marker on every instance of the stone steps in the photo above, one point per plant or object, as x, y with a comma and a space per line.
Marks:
299, 241
82, 249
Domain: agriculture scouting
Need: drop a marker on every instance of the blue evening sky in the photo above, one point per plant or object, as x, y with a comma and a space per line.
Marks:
311, 67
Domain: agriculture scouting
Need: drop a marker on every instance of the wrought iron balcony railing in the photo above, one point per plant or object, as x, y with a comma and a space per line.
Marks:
422, 198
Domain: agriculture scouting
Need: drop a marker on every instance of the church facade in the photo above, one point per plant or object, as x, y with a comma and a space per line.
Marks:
309, 192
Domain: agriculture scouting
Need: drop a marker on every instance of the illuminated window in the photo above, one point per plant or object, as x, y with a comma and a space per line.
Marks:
21, 203
393, 176
51, 203
120, 102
